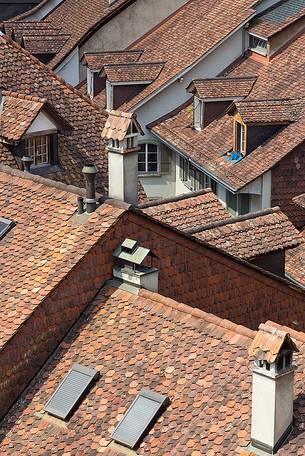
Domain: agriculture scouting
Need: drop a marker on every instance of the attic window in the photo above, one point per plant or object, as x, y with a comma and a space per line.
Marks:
139, 418
38, 148
258, 44
5, 226
71, 391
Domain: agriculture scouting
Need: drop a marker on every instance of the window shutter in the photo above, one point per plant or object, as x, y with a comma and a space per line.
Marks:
166, 160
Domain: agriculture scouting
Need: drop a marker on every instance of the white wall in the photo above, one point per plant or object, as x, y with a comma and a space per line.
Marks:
175, 94
44, 10
69, 68
42, 123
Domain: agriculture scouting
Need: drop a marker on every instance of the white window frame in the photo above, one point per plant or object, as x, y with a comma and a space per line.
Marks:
32, 151
240, 137
190, 180
198, 112
146, 172
109, 96
258, 49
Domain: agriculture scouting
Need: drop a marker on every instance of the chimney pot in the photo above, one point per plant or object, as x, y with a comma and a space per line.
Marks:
89, 171
27, 163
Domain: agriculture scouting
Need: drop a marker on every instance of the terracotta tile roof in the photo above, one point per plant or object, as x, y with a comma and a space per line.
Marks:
84, 143
117, 125
18, 29
96, 60
270, 111
205, 23
187, 211
300, 200
223, 87
295, 263
268, 342
277, 18
282, 78
184, 353
17, 114
251, 235
44, 44
133, 72
44, 244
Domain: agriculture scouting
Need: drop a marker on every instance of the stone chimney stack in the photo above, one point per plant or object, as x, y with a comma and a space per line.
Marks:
121, 132
272, 389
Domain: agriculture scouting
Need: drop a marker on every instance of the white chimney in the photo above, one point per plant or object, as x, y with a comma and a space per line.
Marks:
121, 132
272, 388
130, 269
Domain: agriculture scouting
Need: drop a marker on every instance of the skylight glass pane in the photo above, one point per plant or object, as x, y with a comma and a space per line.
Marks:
139, 418
5, 226
71, 391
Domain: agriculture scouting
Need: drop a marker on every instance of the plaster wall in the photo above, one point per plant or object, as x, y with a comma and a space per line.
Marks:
123, 176
69, 68
41, 123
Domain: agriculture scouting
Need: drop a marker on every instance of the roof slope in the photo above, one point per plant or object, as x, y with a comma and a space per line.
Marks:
200, 361
187, 211
251, 235
84, 143
43, 245
223, 87
188, 35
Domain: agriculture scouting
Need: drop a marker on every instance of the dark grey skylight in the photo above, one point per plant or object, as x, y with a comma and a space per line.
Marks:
5, 226
139, 418
71, 391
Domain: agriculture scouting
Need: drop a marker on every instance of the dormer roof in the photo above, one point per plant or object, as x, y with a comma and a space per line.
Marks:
96, 60
18, 113
18, 29
268, 111
44, 44
220, 88
269, 342
118, 123
137, 72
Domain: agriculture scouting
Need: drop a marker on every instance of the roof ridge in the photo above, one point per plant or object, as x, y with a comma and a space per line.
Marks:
297, 335
135, 63
263, 100
45, 68
124, 51
198, 314
43, 180
175, 198
231, 220
31, 11
226, 78
11, 93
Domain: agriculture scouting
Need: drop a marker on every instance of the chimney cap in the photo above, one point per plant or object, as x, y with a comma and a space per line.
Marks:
130, 251
89, 168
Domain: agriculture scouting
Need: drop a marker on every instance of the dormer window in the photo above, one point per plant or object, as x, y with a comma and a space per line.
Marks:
258, 44
240, 138
38, 148
198, 111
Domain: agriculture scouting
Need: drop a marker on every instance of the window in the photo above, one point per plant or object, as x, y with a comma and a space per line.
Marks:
115, 143
5, 226
148, 159
238, 203
71, 391
131, 136
139, 418
109, 96
240, 137
258, 44
38, 148
193, 178
197, 113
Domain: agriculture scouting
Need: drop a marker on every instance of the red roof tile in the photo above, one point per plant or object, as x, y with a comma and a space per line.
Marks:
270, 111
236, 87
133, 72
96, 60
44, 44
187, 211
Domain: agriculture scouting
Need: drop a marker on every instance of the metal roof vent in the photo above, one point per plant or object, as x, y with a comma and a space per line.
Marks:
130, 269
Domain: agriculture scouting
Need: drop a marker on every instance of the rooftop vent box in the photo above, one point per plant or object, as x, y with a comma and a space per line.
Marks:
131, 265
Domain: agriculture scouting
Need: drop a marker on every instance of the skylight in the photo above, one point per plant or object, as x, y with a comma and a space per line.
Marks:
71, 391
5, 226
139, 418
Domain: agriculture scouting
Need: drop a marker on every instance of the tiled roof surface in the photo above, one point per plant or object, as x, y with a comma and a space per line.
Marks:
132, 72
44, 44
282, 78
96, 60
17, 114
300, 200
44, 245
268, 342
188, 35
251, 235
18, 29
188, 211
278, 17
200, 361
224, 87
84, 143
295, 263
78, 18
268, 111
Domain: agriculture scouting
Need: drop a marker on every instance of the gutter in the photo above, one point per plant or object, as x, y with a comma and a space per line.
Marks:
186, 70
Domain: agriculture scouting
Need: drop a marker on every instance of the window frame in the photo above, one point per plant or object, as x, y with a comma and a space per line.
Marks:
198, 113
240, 137
35, 146
193, 178
258, 49
147, 172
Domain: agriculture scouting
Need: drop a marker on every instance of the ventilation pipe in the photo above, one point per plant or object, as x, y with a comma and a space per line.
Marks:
89, 171
27, 163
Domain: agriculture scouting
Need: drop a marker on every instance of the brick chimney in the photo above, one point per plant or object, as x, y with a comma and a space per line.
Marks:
272, 388
121, 132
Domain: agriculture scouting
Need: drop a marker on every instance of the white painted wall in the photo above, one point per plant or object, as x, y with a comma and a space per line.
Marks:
266, 190
69, 68
44, 10
42, 123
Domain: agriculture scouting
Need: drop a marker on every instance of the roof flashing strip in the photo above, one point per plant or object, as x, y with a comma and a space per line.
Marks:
139, 418
71, 391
